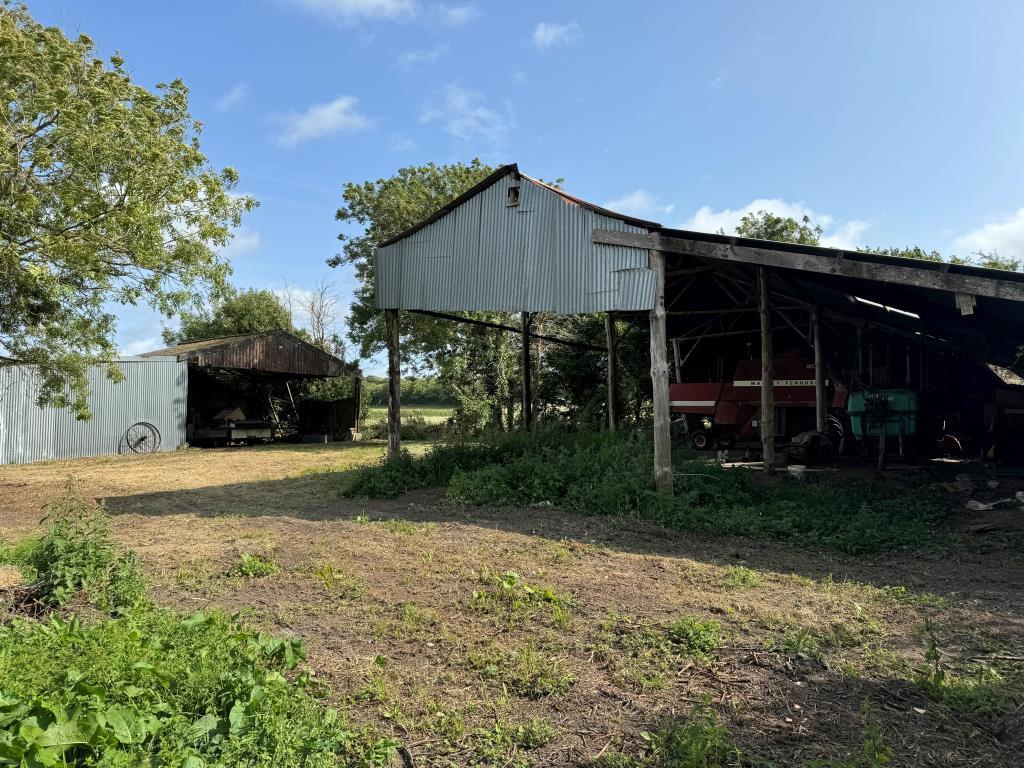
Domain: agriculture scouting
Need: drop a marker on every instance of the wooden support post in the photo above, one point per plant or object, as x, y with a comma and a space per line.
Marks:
394, 383
860, 351
357, 388
820, 406
612, 337
527, 385
767, 424
659, 380
676, 363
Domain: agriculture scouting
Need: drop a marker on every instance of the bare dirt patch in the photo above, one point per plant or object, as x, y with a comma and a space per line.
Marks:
212, 473
396, 603
10, 577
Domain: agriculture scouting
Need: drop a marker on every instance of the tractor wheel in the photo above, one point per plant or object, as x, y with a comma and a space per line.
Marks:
701, 440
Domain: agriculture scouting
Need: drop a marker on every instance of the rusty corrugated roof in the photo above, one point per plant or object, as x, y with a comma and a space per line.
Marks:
276, 352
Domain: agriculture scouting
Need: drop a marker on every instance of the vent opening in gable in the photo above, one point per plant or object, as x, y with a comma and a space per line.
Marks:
512, 196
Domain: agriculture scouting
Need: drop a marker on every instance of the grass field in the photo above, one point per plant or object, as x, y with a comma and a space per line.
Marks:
529, 636
431, 414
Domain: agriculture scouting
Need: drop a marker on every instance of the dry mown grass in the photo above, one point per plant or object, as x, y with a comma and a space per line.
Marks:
608, 626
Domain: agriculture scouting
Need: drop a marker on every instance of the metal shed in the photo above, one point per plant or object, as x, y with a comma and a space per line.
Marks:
153, 391
514, 244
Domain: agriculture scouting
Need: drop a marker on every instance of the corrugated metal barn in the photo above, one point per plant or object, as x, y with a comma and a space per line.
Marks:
153, 391
515, 244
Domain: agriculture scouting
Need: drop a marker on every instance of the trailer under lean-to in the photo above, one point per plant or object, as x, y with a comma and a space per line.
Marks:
720, 413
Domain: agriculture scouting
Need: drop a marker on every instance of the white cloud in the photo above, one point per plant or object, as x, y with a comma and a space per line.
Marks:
455, 15
466, 115
548, 34
338, 116
847, 235
414, 59
348, 12
838, 234
244, 241
1005, 235
138, 346
234, 98
403, 144
641, 204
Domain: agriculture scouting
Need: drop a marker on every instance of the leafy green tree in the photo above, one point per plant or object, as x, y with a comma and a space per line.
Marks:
914, 252
995, 260
765, 225
248, 311
105, 199
987, 259
424, 390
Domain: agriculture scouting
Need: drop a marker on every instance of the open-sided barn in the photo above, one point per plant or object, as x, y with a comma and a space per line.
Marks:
873, 322
234, 382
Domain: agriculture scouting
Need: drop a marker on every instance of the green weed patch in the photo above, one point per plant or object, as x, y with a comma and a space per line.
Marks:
144, 686
511, 599
977, 689
642, 656
602, 473
252, 565
153, 688
525, 671
696, 741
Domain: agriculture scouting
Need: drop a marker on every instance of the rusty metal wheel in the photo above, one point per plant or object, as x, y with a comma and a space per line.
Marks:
142, 437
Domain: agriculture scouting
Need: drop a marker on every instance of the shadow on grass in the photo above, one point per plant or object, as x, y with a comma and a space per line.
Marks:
315, 496
825, 726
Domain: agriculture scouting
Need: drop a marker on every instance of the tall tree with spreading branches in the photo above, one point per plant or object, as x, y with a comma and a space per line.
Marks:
765, 225
245, 311
105, 199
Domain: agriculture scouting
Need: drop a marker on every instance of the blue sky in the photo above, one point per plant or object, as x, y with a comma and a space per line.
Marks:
891, 123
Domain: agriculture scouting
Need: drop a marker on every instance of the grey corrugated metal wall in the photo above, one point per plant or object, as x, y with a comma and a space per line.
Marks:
153, 390
533, 257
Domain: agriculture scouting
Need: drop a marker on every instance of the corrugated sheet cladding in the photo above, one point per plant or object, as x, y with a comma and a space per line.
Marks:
153, 390
536, 256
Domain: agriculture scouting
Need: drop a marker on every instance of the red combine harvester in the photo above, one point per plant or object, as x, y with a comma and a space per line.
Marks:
723, 412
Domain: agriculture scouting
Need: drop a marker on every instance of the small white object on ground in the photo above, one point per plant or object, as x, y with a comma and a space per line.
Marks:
977, 506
